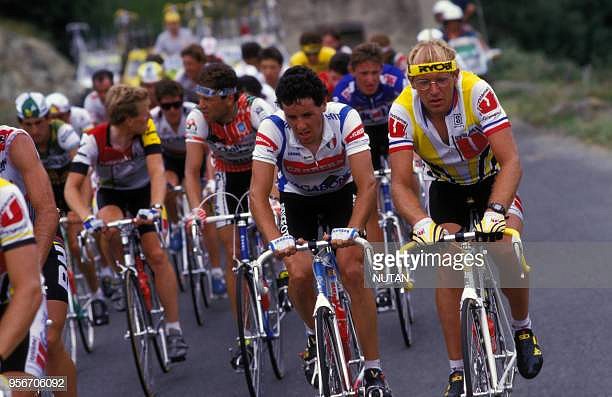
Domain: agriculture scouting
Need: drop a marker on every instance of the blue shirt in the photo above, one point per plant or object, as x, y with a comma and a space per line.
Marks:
373, 109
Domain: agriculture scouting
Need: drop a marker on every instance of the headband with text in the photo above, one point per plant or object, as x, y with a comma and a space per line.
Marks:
208, 92
434, 67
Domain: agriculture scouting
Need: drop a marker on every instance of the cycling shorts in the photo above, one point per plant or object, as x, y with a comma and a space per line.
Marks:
56, 273
379, 143
30, 355
236, 183
448, 201
129, 201
177, 165
301, 216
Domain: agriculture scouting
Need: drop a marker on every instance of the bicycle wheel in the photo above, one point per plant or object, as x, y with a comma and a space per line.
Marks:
354, 356
86, 328
177, 259
251, 346
328, 354
273, 325
139, 326
70, 337
404, 311
196, 283
476, 370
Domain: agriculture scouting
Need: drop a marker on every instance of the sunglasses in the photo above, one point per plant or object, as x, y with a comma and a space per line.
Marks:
167, 106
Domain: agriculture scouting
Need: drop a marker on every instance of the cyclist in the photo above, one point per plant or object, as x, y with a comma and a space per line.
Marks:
101, 81
322, 154
24, 168
390, 55
312, 53
126, 155
225, 123
60, 108
338, 68
454, 122
194, 59
57, 143
22, 308
271, 65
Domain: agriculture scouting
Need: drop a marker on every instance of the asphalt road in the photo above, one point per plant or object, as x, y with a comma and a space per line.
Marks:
567, 192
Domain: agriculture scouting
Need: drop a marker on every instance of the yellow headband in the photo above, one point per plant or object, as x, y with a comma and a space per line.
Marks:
311, 48
434, 67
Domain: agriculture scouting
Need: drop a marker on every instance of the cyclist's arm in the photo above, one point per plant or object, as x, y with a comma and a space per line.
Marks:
262, 180
39, 193
507, 181
155, 168
193, 165
403, 190
24, 274
363, 175
73, 194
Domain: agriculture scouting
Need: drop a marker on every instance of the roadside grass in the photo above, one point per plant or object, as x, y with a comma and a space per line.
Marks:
556, 95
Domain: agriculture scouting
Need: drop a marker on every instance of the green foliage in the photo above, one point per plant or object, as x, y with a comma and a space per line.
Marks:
573, 29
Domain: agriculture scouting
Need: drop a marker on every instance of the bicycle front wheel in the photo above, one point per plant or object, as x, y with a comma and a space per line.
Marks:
139, 326
476, 370
404, 311
196, 282
70, 337
251, 345
329, 360
86, 327
273, 321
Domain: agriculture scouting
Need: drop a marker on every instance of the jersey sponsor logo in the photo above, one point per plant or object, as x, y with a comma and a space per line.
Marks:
472, 145
190, 125
357, 133
436, 67
12, 213
487, 102
389, 79
331, 182
241, 127
331, 144
457, 120
263, 140
332, 116
397, 127
324, 165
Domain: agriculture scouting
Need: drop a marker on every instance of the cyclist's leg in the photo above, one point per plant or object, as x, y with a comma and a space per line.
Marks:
56, 280
88, 269
110, 240
165, 279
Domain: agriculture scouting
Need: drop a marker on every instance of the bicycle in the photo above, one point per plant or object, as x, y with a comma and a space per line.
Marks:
393, 235
340, 361
259, 312
179, 257
80, 312
145, 315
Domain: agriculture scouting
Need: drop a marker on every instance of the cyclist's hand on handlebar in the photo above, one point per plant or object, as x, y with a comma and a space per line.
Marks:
197, 214
92, 224
148, 214
491, 227
283, 246
426, 232
343, 236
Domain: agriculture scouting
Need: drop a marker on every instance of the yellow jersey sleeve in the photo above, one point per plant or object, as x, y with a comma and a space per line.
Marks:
150, 139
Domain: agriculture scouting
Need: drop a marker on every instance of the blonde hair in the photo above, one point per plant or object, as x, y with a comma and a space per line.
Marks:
431, 51
122, 102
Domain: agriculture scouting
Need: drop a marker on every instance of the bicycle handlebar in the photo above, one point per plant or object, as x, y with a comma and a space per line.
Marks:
234, 217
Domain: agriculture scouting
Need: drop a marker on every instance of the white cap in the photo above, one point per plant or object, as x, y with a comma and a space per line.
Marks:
150, 72
429, 34
57, 103
452, 13
209, 44
440, 6
31, 104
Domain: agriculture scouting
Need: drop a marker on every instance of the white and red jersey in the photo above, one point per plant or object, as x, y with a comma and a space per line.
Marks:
8, 170
232, 144
301, 171
94, 105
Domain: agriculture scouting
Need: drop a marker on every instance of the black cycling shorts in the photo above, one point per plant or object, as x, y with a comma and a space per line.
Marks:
448, 201
129, 201
177, 165
379, 143
301, 216
236, 183
56, 273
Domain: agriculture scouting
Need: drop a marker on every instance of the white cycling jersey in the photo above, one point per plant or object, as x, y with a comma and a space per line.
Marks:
8, 170
80, 119
94, 105
173, 142
301, 171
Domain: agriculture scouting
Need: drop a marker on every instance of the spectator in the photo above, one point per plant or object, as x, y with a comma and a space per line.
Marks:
466, 42
102, 81
312, 53
194, 59
271, 65
390, 56
171, 41
468, 7
438, 10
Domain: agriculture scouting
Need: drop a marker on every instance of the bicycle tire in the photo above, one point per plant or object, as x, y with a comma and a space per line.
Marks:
157, 322
328, 355
176, 259
247, 317
70, 338
273, 324
196, 290
139, 321
475, 367
86, 327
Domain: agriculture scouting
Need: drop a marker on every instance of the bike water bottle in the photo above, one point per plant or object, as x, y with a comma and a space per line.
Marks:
143, 281
343, 327
265, 298
492, 333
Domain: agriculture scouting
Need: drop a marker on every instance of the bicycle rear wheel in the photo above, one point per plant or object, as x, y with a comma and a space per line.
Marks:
158, 324
251, 346
86, 328
476, 370
331, 378
196, 283
139, 326
70, 337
